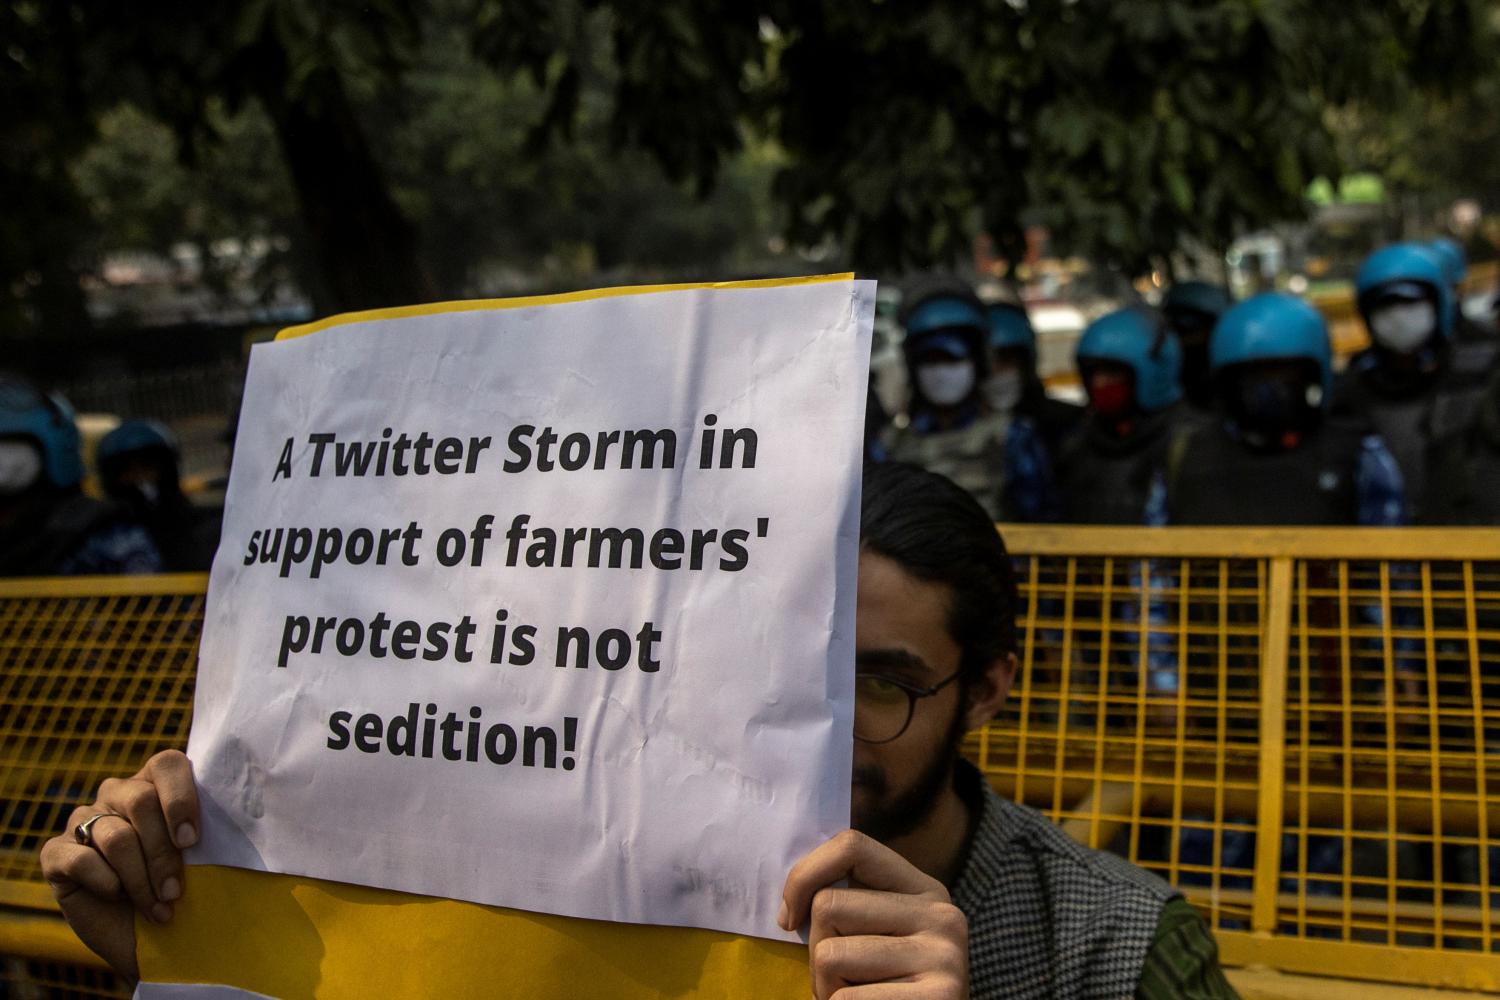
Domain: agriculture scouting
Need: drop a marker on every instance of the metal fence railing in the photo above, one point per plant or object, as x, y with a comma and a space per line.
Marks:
168, 396
1299, 728
196, 402
95, 675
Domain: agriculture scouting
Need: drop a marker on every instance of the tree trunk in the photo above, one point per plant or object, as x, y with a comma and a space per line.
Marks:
366, 250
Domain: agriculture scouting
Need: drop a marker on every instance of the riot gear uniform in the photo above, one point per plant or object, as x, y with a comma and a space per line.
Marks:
47, 526
1411, 385
1108, 469
1274, 458
1191, 308
138, 467
951, 431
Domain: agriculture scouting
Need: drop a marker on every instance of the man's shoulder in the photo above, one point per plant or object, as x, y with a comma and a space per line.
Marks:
1048, 916
1009, 832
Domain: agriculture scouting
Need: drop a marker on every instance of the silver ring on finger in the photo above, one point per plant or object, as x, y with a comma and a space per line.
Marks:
84, 832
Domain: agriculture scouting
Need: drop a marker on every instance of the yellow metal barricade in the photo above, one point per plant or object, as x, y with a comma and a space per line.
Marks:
1299, 728
95, 675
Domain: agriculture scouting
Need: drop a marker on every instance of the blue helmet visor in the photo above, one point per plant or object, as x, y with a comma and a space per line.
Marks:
950, 344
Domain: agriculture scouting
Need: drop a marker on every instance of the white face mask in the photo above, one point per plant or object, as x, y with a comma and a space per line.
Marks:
947, 383
20, 467
1404, 328
1003, 389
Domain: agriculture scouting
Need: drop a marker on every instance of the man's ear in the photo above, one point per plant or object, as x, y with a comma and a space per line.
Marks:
987, 693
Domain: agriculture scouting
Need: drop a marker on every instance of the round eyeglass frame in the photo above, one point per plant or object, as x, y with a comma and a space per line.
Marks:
912, 694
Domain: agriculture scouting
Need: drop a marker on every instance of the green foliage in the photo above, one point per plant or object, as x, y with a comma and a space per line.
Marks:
1125, 126
460, 148
418, 149
140, 195
68, 65
1441, 145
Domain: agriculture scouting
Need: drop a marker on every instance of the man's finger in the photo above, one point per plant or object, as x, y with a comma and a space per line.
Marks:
137, 801
172, 774
868, 911
864, 912
115, 839
849, 961
861, 859
70, 867
925, 990
91, 895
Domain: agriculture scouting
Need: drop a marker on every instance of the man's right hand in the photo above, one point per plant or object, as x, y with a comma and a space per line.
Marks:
892, 933
134, 860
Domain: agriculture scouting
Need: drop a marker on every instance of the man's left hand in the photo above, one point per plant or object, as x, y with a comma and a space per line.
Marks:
894, 933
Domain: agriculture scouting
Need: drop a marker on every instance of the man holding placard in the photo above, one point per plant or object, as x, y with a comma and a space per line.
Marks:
617, 735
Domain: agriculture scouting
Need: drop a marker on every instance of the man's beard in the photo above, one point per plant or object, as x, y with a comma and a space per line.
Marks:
887, 819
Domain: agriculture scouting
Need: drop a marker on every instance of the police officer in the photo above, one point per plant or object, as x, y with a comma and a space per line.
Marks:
138, 467
1455, 264
1463, 467
1191, 308
951, 430
1109, 470
47, 526
1014, 385
1414, 383
1275, 457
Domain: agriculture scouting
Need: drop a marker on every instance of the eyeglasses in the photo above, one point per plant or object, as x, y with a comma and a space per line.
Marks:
883, 706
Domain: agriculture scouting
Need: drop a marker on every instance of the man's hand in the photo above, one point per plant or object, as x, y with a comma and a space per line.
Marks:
892, 934
135, 861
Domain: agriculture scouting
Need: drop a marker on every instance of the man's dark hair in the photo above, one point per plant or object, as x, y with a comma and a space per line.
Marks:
937, 532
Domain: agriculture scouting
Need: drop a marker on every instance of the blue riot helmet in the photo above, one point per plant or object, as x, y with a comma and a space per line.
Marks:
145, 453
946, 331
45, 419
1273, 359
950, 318
1405, 297
1191, 309
1012, 357
1451, 257
1010, 329
136, 436
1273, 326
1137, 339
1203, 297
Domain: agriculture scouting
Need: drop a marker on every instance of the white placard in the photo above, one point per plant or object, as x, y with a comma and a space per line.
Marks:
547, 606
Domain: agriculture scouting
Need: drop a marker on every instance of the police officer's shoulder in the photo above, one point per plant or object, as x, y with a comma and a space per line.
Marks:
993, 421
1473, 360
1352, 424
1184, 417
1362, 360
1351, 391
1454, 411
76, 514
1347, 434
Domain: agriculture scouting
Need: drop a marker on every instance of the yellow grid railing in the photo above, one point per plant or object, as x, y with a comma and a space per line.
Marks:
95, 675
1299, 728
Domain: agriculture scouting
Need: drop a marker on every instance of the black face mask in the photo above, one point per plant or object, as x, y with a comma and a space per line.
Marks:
1270, 406
143, 499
